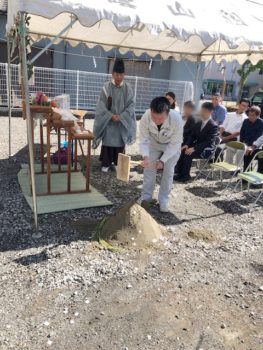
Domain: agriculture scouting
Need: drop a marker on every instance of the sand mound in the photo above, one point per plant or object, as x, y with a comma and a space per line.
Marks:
131, 224
204, 235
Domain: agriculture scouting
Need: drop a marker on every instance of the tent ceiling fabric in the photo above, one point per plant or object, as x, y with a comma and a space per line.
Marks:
227, 29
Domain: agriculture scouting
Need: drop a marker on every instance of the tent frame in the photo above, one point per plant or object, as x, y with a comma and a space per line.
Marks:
26, 109
9, 90
52, 41
25, 96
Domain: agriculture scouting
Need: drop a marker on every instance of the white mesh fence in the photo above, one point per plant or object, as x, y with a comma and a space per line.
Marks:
84, 87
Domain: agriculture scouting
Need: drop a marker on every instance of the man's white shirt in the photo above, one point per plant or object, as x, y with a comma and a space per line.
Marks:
233, 122
259, 142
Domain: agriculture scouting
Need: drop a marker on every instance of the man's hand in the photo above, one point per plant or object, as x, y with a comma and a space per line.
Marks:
189, 151
115, 118
184, 147
250, 150
146, 162
159, 165
221, 130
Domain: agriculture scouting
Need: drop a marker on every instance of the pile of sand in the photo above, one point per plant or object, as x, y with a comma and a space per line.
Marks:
202, 234
131, 224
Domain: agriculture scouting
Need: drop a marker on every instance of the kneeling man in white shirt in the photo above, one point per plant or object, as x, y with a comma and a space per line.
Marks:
161, 135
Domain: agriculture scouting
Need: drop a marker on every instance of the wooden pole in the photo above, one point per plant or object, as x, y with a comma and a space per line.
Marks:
26, 110
9, 96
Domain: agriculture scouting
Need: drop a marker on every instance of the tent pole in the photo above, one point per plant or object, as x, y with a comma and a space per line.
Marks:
9, 96
197, 77
26, 108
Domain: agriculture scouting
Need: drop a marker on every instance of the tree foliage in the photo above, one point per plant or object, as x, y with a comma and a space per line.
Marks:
246, 69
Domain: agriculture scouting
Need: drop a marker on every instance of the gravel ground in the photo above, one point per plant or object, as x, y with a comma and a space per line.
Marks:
201, 287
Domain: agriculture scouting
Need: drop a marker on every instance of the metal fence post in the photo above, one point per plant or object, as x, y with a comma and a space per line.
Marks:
183, 101
77, 92
135, 89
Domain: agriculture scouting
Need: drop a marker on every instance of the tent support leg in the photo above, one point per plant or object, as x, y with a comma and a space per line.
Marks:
26, 107
197, 77
9, 96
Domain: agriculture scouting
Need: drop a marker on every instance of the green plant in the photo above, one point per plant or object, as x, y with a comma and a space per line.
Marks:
102, 242
15, 38
244, 72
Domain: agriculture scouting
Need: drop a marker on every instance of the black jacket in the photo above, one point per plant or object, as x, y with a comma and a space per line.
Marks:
205, 138
188, 129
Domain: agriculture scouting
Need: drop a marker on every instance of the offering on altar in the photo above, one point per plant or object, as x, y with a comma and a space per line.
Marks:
40, 99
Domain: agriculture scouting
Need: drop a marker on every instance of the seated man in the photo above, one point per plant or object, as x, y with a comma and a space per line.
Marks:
189, 123
161, 135
219, 111
252, 135
200, 144
230, 129
188, 120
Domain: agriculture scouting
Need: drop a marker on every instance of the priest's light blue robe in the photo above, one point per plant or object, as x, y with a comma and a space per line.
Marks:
115, 134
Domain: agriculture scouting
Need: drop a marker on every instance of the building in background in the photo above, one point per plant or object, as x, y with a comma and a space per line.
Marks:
216, 75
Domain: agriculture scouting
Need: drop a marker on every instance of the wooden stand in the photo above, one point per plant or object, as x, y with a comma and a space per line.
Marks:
53, 121
74, 137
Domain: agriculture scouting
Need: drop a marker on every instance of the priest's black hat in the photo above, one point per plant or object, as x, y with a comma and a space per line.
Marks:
118, 66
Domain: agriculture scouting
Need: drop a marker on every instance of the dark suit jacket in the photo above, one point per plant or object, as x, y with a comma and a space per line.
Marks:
205, 138
188, 129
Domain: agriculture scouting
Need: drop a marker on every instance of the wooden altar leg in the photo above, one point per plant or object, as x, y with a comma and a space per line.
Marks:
76, 155
81, 148
59, 151
48, 157
69, 161
42, 147
88, 167
33, 138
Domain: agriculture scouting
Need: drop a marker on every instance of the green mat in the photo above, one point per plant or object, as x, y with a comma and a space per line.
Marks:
54, 167
62, 202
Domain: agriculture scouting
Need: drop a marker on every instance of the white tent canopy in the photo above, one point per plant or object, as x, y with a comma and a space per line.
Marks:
195, 30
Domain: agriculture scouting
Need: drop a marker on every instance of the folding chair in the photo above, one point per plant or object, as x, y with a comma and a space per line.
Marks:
212, 158
252, 177
224, 167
